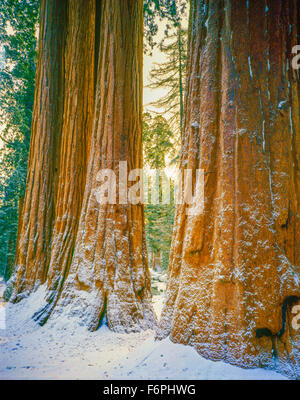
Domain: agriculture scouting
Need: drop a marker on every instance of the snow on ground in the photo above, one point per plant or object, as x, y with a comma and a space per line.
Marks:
2, 311
63, 350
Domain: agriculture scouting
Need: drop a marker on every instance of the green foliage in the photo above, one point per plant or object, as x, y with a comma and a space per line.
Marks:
158, 144
159, 229
157, 138
18, 24
157, 10
171, 75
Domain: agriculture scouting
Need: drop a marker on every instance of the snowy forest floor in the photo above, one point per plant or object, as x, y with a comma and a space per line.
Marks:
67, 351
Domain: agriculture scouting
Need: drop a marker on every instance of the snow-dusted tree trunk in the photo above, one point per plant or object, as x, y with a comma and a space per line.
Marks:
109, 273
235, 269
74, 146
36, 221
106, 260
61, 131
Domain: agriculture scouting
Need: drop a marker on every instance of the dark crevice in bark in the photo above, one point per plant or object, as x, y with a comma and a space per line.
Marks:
288, 302
266, 332
102, 316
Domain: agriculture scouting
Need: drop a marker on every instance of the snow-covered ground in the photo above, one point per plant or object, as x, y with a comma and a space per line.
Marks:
63, 350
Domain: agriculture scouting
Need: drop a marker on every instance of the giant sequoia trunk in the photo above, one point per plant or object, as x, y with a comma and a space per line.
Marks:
74, 146
36, 225
95, 255
109, 272
108, 264
61, 130
235, 269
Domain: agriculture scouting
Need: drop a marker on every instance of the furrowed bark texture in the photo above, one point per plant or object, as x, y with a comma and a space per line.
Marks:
33, 247
235, 268
75, 141
109, 274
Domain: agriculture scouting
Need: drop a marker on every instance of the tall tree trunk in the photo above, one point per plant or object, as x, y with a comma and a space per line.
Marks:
109, 273
156, 260
75, 140
234, 269
33, 247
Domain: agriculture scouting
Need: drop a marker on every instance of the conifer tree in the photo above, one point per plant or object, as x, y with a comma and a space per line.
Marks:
18, 23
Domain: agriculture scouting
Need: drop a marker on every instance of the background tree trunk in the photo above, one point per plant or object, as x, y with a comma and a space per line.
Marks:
33, 247
156, 260
181, 77
234, 269
109, 273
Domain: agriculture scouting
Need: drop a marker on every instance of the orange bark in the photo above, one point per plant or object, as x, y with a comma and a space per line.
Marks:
35, 229
109, 273
61, 130
235, 269
74, 146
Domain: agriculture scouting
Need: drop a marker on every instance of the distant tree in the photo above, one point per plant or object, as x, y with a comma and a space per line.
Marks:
158, 140
171, 75
158, 144
155, 10
17, 73
157, 131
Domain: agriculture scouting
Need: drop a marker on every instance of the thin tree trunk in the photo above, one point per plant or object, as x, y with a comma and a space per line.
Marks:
33, 247
180, 79
109, 273
234, 269
156, 260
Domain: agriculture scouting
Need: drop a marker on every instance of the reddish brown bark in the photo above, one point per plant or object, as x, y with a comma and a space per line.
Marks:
33, 247
62, 125
75, 142
109, 273
156, 260
235, 269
